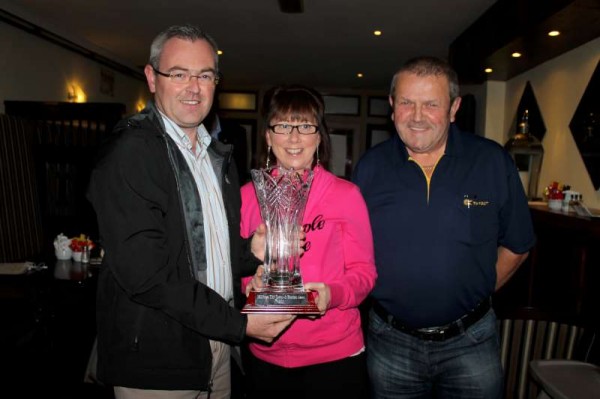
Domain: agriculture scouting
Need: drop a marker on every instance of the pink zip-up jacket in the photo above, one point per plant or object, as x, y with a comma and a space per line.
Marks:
339, 253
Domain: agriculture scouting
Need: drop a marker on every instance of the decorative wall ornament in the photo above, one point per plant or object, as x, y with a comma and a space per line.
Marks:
585, 127
529, 103
524, 143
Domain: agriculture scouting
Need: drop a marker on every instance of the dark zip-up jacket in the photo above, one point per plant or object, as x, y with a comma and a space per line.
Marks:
154, 317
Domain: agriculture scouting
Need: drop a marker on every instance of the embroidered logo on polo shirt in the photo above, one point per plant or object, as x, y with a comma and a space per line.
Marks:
472, 202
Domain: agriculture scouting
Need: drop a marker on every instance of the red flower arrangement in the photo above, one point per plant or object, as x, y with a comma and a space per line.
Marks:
555, 191
77, 243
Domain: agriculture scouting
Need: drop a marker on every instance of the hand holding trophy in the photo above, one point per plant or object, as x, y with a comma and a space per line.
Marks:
282, 195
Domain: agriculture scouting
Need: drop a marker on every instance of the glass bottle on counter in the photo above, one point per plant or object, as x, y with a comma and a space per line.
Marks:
567, 197
85, 254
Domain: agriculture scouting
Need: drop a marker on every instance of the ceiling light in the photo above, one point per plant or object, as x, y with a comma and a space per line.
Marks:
220, 52
488, 70
553, 33
359, 75
516, 55
377, 32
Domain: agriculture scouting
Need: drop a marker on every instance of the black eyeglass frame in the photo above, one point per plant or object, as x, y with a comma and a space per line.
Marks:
170, 76
272, 128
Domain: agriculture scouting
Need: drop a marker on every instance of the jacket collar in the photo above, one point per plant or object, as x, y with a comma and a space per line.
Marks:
153, 115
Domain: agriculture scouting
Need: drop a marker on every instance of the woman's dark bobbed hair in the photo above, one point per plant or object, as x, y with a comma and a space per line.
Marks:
297, 102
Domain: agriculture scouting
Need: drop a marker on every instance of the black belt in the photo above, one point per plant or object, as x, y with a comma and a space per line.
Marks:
440, 333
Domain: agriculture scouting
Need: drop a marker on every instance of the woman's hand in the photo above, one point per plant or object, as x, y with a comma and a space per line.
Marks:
257, 281
259, 242
323, 295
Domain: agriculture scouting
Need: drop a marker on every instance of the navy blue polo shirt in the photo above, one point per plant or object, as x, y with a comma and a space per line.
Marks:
436, 248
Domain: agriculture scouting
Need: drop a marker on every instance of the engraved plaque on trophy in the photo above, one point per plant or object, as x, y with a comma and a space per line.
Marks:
282, 196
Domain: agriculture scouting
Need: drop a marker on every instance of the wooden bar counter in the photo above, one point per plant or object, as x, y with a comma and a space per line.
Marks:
561, 276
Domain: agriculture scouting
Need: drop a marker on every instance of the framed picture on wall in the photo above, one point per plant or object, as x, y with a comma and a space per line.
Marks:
342, 105
379, 133
379, 106
340, 162
238, 101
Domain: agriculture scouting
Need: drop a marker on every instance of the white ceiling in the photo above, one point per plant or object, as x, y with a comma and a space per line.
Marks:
324, 47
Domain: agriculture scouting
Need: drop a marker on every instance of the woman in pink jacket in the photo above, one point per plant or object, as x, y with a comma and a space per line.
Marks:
323, 356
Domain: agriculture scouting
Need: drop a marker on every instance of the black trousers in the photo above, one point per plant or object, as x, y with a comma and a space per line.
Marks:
346, 378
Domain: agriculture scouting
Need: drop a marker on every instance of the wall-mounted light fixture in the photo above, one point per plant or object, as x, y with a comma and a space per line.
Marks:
71, 96
75, 93
140, 105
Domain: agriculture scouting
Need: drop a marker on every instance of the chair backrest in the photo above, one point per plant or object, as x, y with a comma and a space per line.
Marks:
21, 231
524, 340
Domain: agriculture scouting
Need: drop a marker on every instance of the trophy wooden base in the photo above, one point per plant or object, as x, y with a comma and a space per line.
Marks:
292, 302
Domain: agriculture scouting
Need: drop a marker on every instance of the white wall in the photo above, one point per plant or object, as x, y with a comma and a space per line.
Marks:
558, 86
34, 69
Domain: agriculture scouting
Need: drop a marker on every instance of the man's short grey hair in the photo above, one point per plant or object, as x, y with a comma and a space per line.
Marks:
427, 66
186, 32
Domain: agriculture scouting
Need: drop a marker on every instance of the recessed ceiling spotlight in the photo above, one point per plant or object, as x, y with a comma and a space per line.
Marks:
220, 52
488, 70
553, 33
516, 55
359, 75
377, 32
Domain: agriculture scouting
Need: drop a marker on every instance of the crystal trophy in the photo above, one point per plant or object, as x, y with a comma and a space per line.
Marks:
282, 195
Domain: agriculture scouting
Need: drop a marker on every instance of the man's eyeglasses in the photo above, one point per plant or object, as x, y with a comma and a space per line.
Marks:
181, 76
286, 128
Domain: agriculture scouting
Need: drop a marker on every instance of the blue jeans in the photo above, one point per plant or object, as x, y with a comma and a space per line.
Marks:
465, 366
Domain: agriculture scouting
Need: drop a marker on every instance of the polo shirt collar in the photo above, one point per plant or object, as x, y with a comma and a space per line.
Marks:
455, 145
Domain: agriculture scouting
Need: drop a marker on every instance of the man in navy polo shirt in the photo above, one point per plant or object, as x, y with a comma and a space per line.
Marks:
451, 225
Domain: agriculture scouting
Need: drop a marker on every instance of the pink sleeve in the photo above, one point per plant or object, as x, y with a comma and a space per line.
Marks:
359, 261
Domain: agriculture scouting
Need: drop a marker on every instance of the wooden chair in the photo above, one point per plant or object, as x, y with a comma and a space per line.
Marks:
528, 335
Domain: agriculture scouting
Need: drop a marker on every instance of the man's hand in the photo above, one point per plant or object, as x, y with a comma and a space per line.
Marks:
267, 327
323, 295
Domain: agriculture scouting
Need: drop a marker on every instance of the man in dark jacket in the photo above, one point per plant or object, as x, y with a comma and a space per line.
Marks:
228, 131
167, 201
